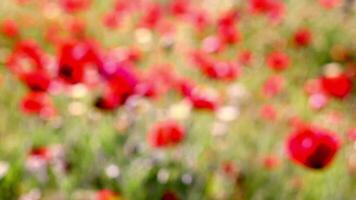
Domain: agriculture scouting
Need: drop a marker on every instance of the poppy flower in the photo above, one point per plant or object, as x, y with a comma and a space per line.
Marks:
338, 86
230, 169
108, 102
271, 162
165, 134
41, 152
219, 70
199, 19
273, 86
245, 57
74, 57
106, 194
38, 103
212, 44
203, 100
200, 99
330, 4
269, 112
26, 50
278, 61
302, 37
152, 16
111, 20
169, 195
9, 28
71, 6
37, 81
312, 147
351, 134
179, 7
275, 9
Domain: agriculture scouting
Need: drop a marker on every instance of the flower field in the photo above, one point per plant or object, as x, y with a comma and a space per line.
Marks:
177, 99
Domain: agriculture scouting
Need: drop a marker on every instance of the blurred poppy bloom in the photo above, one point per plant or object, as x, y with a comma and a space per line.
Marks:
273, 85
37, 81
278, 61
269, 112
312, 147
27, 56
169, 195
179, 7
271, 162
330, 4
219, 70
38, 103
74, 57
351, 134
165, 134
302, 37
111, 20
245, 57
338, 86
199, 19
9, 28
106, 195
273, 8
74, 5
42, 153
200, 99
108, 101
152, 16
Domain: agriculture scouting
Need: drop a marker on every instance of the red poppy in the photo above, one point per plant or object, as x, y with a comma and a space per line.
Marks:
312, 147
302, 37
165, 134
26, 50
330, 4
10, 28
199, 19
37, 81
273, 8
152, 16
269, 112
111, 20
271, 162
73, 58
339, 86
42, 153
106, 195
273, 86
179, 7
278, 61
38, 103
74, 5
220, 70
199, 98
169, 195
245, 57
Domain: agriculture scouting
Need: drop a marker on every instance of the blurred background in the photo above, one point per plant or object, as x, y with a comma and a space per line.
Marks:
177, 99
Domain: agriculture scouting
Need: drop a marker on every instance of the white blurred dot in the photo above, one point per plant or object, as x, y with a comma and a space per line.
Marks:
4, 167
163, 176
227, 113
187, 179
112, 171
79, 91
76, 108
